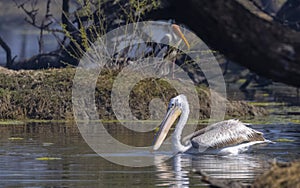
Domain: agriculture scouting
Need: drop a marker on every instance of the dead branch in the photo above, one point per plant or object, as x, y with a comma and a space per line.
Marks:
8, 52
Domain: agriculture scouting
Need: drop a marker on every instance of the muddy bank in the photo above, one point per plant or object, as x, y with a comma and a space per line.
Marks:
280, 175
47, 95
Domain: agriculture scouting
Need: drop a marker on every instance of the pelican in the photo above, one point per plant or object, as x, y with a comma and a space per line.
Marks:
174, 36
228, 137
170, 35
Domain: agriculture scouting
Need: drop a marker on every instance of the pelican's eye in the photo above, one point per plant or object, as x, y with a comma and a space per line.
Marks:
172, 103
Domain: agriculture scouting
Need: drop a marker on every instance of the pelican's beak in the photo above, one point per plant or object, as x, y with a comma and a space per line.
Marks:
171, 116
179, 33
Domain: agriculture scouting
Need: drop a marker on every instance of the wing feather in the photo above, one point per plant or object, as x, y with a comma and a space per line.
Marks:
225, 133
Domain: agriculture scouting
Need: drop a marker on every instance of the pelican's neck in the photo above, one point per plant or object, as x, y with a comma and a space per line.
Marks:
176, 40
177, 145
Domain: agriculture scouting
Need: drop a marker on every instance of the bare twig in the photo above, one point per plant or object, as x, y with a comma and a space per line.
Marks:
8, 52
45, 24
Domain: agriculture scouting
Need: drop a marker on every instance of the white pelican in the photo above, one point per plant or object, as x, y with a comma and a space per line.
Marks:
170, 35
228, 137
173, 37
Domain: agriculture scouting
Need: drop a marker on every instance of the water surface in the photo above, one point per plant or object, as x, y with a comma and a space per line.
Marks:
54, 154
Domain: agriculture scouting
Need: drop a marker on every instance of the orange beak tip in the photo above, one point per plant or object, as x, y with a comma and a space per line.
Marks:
177, 30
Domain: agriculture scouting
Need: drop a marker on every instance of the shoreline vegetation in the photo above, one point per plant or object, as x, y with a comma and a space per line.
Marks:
47, 95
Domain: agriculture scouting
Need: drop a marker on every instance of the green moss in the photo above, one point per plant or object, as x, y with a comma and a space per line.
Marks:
296, 121
284, 140
241, 81
267, 103
15, 138
11, 122
47, 158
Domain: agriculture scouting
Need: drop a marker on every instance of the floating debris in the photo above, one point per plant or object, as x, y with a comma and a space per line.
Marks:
45, 144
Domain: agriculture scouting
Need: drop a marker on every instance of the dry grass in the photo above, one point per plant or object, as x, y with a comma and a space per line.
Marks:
47, 95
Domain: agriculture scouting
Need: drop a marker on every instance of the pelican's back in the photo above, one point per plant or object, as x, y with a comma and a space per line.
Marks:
225, 133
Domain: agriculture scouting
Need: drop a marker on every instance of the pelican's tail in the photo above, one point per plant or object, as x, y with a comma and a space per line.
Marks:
269, 141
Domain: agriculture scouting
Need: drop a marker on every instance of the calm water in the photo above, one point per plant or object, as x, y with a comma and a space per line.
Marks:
23, 149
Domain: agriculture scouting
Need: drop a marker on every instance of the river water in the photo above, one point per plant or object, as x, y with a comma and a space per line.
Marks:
46, 155
55, 154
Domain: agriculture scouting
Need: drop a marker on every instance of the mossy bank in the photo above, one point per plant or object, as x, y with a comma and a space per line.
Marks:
47, 95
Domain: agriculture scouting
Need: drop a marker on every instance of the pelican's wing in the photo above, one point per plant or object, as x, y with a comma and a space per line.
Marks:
162, 48
225, 133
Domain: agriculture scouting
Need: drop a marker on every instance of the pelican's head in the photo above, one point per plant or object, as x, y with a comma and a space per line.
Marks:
177, 106
177, 31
